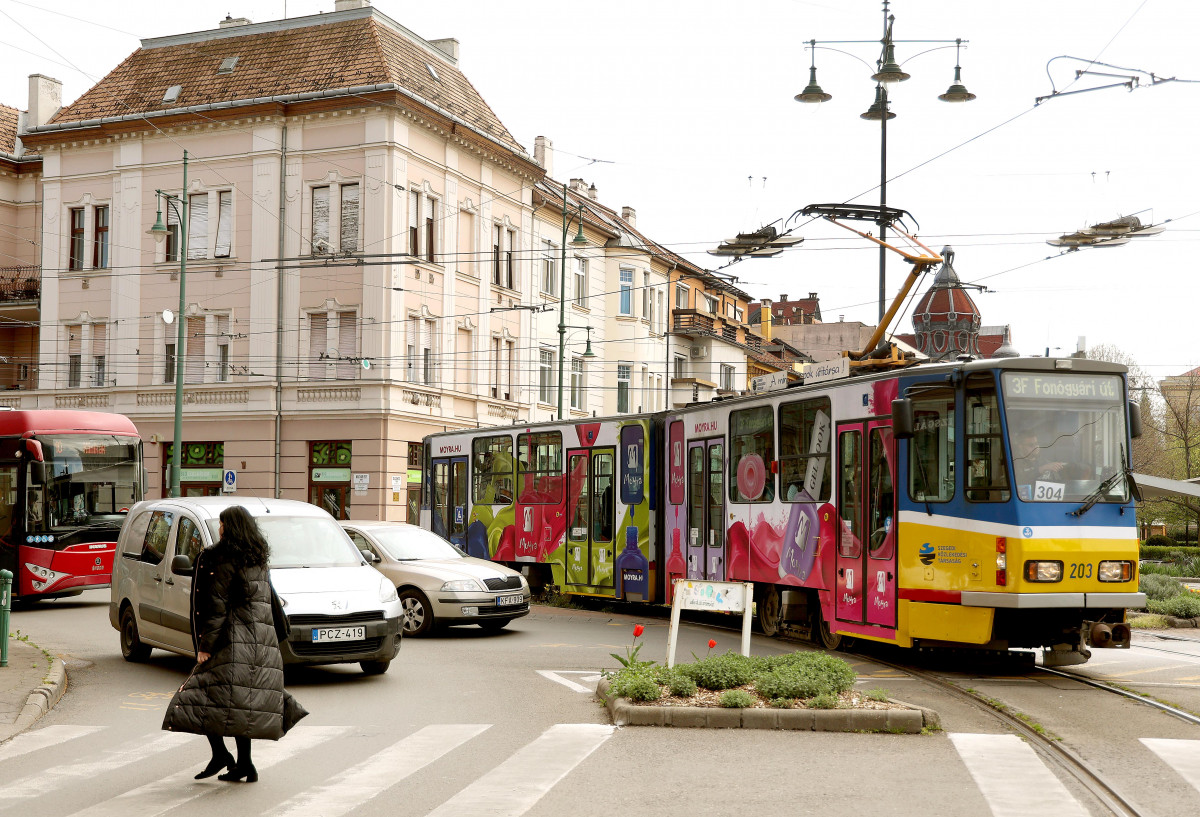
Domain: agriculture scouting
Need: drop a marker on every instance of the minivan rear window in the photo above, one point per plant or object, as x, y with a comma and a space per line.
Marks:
303, 541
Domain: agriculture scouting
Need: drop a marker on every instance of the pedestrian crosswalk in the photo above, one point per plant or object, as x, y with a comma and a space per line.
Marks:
89, 768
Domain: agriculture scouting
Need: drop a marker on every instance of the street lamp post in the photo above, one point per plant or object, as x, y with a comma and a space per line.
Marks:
578, 241
888, 71
159, 231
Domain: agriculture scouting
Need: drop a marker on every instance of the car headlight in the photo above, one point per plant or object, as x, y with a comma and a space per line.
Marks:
524, 584
467, 585
387, 593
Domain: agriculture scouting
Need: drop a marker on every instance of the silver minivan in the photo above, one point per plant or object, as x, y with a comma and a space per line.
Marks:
341, 610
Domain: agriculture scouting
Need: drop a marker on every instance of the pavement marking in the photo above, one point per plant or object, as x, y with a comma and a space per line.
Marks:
1181, 755
55, 777
144, 701
358, 784
28, 742
161, 796
995, 761
587, 675
512, 788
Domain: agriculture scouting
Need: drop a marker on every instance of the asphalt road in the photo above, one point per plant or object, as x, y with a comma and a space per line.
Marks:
467, 723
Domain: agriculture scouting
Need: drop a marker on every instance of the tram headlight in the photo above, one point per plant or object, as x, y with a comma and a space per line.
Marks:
1115, 571
1038, 571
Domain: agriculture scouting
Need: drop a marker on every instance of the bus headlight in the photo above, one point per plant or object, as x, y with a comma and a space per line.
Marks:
45, 576
1043, 571
1115, 571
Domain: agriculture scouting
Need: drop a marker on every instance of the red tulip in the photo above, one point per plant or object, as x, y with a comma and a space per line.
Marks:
712, 642
638, 629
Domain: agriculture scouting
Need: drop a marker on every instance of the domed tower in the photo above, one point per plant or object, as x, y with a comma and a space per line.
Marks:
946, 320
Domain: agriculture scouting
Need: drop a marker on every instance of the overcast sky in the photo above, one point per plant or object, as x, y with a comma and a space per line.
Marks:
687, 109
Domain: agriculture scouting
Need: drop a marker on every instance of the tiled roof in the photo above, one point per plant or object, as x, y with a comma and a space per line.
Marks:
8, 129
289, 57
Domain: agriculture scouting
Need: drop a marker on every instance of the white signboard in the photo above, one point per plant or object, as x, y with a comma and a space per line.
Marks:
229, 482
360, 482
398, 483
827, 370
723, 597
769, 382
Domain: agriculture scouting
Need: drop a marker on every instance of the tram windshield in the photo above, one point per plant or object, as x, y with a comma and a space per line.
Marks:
1067, 436
90, 479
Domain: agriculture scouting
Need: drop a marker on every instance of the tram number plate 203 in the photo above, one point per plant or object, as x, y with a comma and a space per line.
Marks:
1048, 491
1081, 570
320, 634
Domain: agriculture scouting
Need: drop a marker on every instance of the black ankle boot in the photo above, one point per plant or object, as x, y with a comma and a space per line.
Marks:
237, 772
215, 765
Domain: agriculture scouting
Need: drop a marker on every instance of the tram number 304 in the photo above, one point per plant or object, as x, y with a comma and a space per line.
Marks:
1081, 570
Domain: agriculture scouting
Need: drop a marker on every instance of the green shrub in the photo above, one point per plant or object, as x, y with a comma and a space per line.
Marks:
1159, 540
805, 675
824, 701
790, 683
1158, 587
737, 699
721, 671
1168, 552
782, 703
681, 686
641, 688
1183, 606
1148, 622
880, 695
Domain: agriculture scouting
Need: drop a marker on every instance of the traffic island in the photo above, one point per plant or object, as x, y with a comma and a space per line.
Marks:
898, 718
30, 686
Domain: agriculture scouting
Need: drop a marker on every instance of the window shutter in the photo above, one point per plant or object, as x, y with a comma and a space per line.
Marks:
75, 339
320, 220
195, 350
347, 344
349, 228
224, 223
197, 226
413, 352
318, 340
99, 339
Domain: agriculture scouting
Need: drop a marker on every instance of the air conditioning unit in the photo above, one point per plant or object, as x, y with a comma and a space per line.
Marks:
699, 352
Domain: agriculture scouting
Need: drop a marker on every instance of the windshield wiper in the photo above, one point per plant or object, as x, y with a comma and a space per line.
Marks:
1102, 488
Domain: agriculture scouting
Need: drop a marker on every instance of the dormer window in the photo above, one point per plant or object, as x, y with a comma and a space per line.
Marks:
172, 94
227, 65
432, 72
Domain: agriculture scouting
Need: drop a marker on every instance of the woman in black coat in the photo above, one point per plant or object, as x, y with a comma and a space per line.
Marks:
236, 688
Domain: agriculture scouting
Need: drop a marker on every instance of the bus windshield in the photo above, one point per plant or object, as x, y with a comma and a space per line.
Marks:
1066, 432
90, 479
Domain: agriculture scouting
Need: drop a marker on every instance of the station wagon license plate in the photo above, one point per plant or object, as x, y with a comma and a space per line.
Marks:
516, 598
320, 634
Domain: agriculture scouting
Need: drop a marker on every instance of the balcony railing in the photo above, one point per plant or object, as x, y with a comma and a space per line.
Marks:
691, 322
20, 283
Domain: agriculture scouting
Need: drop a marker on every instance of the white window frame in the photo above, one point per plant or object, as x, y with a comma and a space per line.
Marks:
624, 386
545, 375
578, 383
580, 283
685, 291
625, 304
334, 238
551, 255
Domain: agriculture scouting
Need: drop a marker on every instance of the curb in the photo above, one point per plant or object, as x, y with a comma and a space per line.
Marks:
900, 721
40, 701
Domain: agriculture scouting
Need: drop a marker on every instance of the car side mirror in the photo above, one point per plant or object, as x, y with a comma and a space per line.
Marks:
370, 557
1135, 420
902, 419
181, 564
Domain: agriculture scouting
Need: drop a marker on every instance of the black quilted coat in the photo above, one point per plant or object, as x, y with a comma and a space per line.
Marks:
238, 691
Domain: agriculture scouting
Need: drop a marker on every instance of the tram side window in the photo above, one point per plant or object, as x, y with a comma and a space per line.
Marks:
987, 476
540, 468
492, 470
931, 451
752, 440
804, 434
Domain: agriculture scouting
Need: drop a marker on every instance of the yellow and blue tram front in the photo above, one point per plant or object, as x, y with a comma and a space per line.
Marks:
1017, 525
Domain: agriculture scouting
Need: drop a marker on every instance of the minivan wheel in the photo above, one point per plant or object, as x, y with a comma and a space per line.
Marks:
418, 617
374, 667
132, 648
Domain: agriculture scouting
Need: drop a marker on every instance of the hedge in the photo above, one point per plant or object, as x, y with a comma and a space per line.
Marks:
1162, 552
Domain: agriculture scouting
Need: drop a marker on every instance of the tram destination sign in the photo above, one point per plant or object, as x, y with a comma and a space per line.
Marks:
1101, 388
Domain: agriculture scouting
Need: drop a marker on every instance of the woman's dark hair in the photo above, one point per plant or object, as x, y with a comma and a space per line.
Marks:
248, 547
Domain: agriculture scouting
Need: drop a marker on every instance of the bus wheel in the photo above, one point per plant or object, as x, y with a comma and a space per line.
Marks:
821, 633
767, 609
132, 648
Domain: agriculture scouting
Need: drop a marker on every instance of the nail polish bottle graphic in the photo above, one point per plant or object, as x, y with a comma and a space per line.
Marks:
632, 569
676, 565
798, 552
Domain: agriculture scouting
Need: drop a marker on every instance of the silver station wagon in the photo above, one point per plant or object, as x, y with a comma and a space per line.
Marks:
438, 584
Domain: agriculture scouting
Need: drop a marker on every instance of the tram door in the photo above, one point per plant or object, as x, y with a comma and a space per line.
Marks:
450, 499
591, 516
866, 551
706, 510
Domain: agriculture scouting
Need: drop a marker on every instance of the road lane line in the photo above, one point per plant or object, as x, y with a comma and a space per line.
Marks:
996, 761
1181, 755
28, 742
511, 789
55, 777
358, 784
159, 797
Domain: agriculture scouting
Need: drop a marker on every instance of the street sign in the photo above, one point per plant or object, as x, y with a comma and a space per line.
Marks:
360, 482
725, 597
229, 482
768, 382
826, 370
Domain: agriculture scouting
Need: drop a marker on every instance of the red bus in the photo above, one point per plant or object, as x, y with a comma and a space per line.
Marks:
67, 479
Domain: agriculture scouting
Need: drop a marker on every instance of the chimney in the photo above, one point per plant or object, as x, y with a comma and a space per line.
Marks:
812, 296
630, 216
543, 154
579, 186
783, 297
45, 99
766, 319
343, 5
593, 194
230, 21
448, 46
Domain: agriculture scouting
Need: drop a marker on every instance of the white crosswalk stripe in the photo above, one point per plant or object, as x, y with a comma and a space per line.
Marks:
162, 795
27, 742
357, 785
1181, 755
995, 761
515, 785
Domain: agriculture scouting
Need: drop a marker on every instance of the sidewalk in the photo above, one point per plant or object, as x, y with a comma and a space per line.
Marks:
29, 687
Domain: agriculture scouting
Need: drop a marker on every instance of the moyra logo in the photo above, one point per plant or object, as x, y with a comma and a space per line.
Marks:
631, 456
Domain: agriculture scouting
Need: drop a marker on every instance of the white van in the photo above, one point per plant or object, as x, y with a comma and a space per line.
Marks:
341, 610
